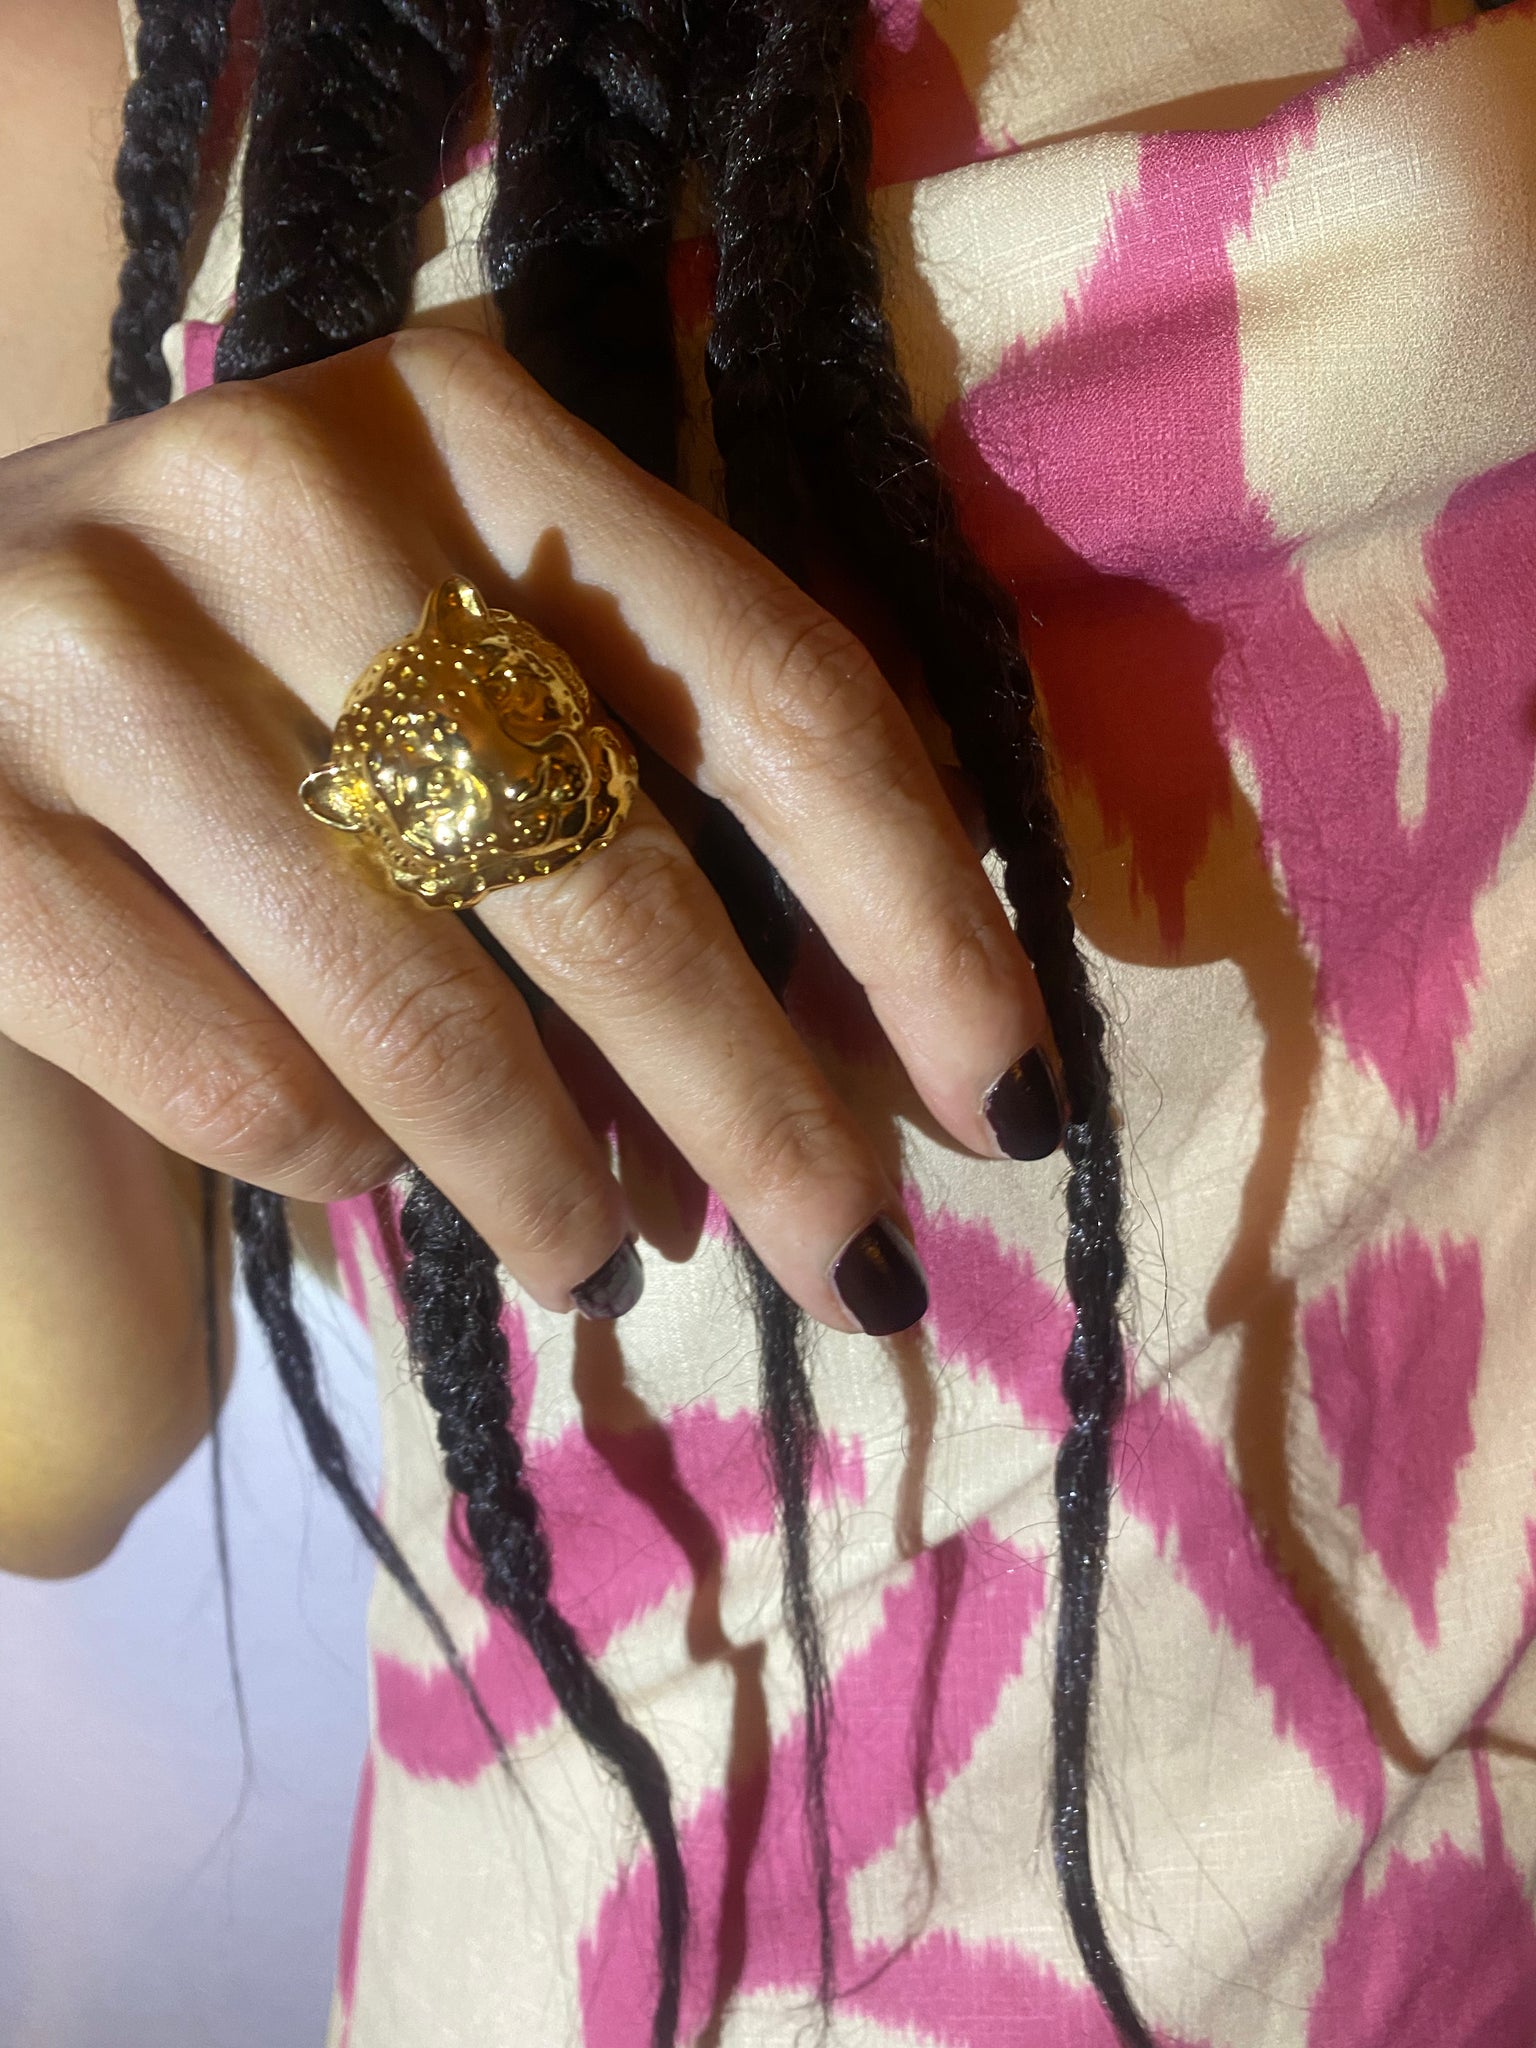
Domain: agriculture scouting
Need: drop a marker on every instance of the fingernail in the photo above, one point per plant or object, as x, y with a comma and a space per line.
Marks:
879, 1280
614, 1288
1024, 1108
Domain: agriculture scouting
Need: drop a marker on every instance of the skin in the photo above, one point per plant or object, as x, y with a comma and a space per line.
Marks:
102, 1381
183, 600
182, 604
191, 969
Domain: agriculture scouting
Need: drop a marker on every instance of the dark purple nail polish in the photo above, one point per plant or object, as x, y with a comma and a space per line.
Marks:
614, 1288
880, 1281
1025, 1109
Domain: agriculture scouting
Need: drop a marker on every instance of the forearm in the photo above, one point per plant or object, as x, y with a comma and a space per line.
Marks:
103, 1388
62, 74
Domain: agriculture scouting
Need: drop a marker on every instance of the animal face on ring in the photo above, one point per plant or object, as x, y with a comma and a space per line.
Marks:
466, 754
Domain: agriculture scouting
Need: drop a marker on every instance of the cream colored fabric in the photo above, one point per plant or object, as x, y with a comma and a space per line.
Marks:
1246, 418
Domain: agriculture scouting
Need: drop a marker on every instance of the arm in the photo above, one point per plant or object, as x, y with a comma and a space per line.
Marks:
62, 79
102, 1379
103, 1388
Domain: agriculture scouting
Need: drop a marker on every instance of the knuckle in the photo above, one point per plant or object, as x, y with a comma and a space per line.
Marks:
230, 455
65, 627
967, 955
206, 439
57, 606
785, 1147
469, 380
444, 351
815, 699
629, 923
424, 1038
549, 1219
252, 1109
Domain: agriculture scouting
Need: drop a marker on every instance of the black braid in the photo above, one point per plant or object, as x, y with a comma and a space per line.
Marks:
266, 1266
766, 918
896, 512
763, 283
455, 1310
790, 146
180, 52
589, 138
327, 259
303, 270
179, 55
588, 97
348, 115
806, 394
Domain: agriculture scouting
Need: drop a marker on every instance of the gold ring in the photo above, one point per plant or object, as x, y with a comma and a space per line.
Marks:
466, 757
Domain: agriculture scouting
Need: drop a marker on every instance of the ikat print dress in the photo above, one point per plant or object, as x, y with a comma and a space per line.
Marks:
1223, 320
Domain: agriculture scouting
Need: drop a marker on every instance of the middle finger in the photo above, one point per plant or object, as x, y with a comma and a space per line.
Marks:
725, 666
637, 949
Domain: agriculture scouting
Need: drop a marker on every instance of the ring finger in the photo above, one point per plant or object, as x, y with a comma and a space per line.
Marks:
433, 1042
421, 1028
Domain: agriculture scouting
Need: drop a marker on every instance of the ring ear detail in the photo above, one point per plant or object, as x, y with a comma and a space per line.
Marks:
335, 799
455, 611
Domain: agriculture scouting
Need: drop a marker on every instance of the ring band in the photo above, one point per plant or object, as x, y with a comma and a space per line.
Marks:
466, 758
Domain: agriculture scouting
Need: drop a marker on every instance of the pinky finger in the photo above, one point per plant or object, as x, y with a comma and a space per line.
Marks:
108, 978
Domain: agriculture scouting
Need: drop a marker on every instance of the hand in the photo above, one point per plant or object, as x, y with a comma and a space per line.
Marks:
184, 601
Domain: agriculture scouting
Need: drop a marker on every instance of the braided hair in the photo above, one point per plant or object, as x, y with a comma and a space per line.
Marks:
598, 105
178, 58
809, 377
347, 118
588, 100
361, 94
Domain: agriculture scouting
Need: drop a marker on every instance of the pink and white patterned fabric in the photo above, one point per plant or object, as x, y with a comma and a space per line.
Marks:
1239, 397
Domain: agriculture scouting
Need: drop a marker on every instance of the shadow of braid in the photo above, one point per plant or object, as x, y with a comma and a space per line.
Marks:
179, 55
455, 1308
873, 473
348, 116
765, 915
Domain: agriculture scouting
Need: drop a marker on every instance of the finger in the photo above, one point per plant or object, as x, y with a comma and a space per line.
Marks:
431, 1039
636, 948
108, 980
721, 663
777, 709
416, 1023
